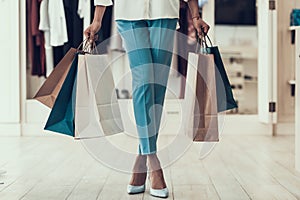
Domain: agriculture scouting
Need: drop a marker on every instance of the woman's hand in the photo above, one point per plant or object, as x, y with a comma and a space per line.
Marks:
201, 26
92, 30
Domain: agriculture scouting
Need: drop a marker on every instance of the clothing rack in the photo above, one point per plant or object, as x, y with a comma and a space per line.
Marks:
53, 27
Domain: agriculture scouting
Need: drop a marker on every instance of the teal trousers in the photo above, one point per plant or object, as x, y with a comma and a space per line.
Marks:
149, 45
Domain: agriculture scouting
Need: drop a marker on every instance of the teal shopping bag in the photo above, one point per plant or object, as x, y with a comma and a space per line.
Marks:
225, 99
61, 119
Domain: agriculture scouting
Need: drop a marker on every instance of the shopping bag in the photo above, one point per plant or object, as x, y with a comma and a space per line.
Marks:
97, 112
201, 99
61, 119
225, 99
47, 94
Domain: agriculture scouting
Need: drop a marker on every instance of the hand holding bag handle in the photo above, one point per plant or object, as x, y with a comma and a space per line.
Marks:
89, 47
202, 46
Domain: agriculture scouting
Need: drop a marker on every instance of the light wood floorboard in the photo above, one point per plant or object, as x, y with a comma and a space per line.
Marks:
239, 168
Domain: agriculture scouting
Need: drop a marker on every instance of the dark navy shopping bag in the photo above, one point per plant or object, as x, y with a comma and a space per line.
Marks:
225, 98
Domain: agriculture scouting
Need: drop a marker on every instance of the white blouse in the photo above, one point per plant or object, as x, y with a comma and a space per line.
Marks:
53, 19
143, 9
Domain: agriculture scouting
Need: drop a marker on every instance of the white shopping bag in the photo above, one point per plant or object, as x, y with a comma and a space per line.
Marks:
97, 112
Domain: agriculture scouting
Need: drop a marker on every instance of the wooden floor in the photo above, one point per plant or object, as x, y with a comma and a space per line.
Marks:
240, 167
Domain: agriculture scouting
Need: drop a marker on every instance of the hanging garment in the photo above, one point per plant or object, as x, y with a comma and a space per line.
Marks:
48, 54
74, 24
35, 39
53, 23
44, 26
57, 23
83, 6
58, 54
84, 12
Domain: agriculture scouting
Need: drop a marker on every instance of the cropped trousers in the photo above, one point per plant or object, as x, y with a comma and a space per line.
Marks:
149, 46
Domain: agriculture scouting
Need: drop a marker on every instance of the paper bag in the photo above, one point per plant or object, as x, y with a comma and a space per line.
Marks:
61, 119
97, 112
225, 99
47, 94
201, 99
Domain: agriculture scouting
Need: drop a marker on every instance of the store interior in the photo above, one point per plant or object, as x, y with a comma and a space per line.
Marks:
260, 48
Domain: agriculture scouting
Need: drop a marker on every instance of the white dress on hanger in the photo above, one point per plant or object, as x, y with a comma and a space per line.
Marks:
53, 24
84, 12
57, 23
44, 26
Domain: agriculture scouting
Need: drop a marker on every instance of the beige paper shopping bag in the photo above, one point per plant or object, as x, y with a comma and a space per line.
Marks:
201, 99
47, 94
97, 112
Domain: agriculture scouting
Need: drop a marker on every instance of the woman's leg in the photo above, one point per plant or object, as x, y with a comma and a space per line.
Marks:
162, 42
149, 44
136, 37
150, 54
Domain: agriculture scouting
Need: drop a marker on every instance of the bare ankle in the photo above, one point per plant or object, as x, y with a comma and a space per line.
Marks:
157, 179
140, 165
154, 163
138, 179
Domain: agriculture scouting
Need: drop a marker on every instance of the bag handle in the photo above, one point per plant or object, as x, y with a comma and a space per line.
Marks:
82, 44
211, 45
199, 46
202, 43
88, 47
91, 48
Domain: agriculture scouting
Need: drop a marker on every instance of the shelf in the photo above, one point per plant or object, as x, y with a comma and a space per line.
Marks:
239, 52
251, 81
293, 28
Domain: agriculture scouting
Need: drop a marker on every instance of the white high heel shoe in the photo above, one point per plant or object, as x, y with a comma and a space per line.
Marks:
132, 189
162, 193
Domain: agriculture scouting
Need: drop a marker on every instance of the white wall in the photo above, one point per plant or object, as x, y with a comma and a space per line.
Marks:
236, 36
9, 67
